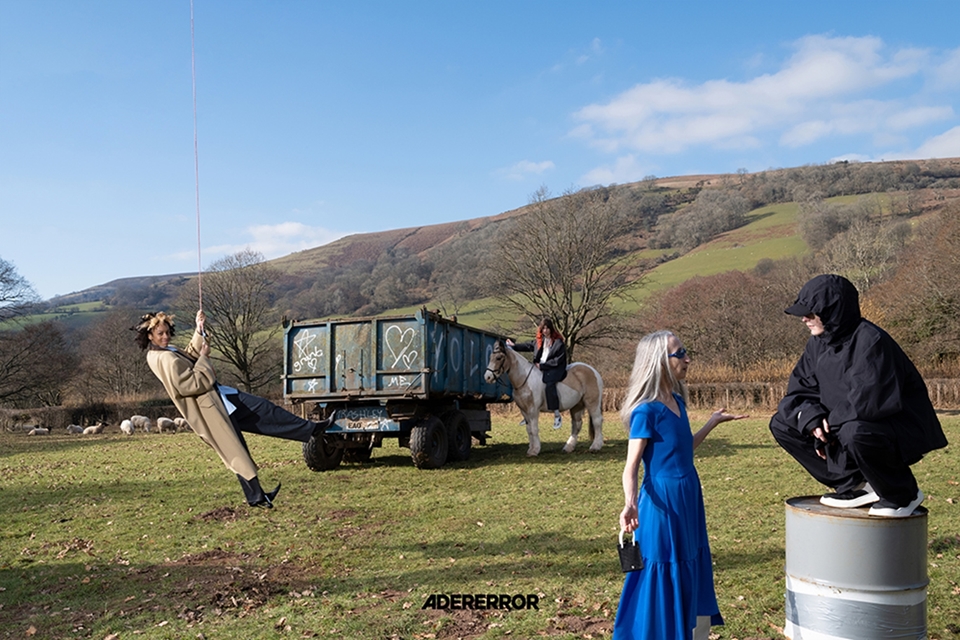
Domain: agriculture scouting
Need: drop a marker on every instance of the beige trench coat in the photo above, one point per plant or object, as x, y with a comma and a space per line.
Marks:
192, 388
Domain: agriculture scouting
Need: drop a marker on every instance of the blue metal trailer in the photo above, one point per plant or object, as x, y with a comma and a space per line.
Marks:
417, 378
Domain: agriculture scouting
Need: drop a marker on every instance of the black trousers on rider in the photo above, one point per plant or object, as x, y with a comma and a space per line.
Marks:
553, 398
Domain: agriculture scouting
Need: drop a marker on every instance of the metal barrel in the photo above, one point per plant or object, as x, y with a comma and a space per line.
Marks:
852, 576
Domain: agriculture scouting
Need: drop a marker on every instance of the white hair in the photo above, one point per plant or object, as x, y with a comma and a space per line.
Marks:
651, 374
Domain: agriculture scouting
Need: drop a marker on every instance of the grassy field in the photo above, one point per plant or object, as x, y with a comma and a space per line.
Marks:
116, 537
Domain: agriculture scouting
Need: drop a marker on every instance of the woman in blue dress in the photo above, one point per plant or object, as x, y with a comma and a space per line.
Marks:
672, 597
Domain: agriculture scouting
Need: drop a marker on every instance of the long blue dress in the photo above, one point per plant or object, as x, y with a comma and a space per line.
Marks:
662, 600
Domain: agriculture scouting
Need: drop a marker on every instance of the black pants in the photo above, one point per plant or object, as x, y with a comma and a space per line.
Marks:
258, 415
553, 399
862, 451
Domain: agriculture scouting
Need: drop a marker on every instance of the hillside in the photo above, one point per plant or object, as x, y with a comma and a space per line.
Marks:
405, 268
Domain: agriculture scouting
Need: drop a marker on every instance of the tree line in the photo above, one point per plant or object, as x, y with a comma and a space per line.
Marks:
573, 257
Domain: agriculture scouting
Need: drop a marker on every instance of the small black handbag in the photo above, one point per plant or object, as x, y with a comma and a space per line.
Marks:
630, 559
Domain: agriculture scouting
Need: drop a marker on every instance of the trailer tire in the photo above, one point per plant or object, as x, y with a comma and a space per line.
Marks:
458, 436
322, 454
428, 444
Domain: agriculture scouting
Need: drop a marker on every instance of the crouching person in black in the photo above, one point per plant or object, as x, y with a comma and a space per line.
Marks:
857, 413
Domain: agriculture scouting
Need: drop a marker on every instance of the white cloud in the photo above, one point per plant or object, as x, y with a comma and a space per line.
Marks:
275, 240
625, 169
524, 169
823, 89
947, 75
945, 145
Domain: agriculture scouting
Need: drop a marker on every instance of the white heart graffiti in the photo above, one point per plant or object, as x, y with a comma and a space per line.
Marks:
399, 343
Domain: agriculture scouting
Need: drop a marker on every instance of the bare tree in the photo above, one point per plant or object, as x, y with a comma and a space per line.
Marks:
16, 294
35, 360
111, 363
36, 363
921, 302
242, 326
564, 259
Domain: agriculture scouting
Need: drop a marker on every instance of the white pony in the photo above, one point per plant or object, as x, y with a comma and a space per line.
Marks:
581, 391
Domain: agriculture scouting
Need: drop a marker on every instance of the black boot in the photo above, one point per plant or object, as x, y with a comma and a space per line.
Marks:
256, 497
324, 424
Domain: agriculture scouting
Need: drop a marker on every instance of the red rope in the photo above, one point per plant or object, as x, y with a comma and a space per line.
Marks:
196, 155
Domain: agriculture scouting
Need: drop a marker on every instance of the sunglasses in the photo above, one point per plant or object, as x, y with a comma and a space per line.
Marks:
681, 354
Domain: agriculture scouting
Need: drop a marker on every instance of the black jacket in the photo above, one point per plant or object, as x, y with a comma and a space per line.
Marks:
854, 370
555, 368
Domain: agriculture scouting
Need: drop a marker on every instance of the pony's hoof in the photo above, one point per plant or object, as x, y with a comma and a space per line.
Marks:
532, 453
569, 448
596, 447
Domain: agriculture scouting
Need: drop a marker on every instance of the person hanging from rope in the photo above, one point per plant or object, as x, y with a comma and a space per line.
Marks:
550, 356
217, 413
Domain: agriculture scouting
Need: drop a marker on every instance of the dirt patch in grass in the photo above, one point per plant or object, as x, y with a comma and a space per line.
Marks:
583, 626
341, 514
196, 587
220, 514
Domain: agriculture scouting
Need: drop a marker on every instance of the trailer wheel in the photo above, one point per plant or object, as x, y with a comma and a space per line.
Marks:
458, 435
428, 444
322, 454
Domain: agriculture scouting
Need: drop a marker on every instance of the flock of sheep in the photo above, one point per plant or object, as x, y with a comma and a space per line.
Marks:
129, 427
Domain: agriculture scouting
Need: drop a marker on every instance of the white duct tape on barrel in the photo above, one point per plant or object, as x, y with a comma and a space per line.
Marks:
819, 612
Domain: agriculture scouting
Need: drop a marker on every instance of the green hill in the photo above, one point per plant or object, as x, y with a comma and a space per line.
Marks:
400, 270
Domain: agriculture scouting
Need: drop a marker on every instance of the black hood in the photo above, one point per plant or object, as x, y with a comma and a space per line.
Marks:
835, 301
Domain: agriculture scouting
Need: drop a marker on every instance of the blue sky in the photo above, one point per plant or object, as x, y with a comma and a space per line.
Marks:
321, 119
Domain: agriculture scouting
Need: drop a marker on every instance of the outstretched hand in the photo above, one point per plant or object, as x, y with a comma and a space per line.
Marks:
721, 415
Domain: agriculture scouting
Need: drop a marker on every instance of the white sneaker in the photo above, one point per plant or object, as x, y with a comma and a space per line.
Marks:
852, 499
557, 421
886, 510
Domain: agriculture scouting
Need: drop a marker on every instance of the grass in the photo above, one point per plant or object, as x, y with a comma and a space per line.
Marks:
147, 536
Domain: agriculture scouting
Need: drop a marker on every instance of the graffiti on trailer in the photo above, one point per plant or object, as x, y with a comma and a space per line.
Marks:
307, 354
399, 381
370, 418
437, 341
456, 354
471, 350
399, 344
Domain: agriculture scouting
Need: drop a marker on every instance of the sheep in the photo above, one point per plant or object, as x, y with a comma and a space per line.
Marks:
166, 424
74, 428
126, 427
38, 431
142, 422
97, 428
182, 424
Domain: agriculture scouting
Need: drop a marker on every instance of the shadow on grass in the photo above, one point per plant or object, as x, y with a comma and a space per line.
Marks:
734, 560
551, 453
498, 454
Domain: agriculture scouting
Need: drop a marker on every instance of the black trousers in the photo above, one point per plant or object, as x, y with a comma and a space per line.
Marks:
861, 451
258, 415
553, 398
